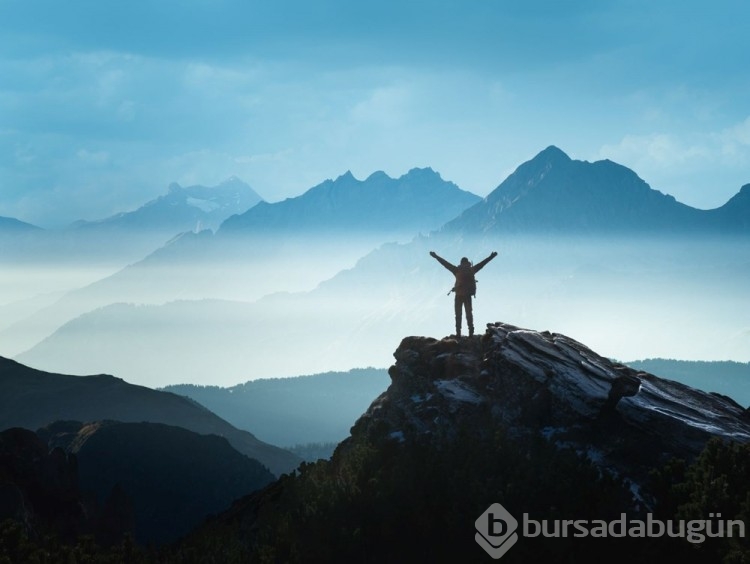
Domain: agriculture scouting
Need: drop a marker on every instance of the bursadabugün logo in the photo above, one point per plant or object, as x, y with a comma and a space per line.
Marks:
496, 528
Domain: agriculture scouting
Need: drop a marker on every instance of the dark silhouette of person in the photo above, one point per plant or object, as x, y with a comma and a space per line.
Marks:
465, 287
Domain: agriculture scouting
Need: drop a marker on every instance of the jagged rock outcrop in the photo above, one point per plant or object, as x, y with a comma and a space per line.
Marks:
542, 383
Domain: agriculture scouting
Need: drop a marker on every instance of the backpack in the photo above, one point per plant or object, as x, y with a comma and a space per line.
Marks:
465, 281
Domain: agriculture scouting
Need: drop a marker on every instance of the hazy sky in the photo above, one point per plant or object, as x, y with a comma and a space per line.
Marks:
103, 104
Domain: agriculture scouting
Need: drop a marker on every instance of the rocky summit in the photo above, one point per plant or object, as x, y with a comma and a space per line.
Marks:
540, 383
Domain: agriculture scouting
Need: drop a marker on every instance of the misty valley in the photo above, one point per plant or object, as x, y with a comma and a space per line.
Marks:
307, 344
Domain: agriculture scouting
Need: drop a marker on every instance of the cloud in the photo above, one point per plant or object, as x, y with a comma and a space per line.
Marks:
735, 142
93, 158
705, 167
327, 33
386, 106
657, 150
729, 146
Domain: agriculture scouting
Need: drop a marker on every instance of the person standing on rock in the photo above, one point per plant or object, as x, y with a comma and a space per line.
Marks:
465, 287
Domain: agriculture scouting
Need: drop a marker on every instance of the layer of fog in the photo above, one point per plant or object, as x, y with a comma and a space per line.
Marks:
42, 296
274, 309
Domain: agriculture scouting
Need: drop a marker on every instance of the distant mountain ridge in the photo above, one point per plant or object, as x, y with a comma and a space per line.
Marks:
419, 200
736, 212
13, 225
552, 193
184, 208
127, 236
321, 232
317, 408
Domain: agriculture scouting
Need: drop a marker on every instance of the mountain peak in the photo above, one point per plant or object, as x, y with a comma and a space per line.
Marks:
232, 181
346, 177
183, 208
423, 173
552, 154
744, 193
536, 170
553, 193
377, 176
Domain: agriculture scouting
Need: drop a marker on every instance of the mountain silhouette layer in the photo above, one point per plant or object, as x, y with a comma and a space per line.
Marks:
167, 479
318, 408
10, 225
183, 209
553, 193
126, 236
418, 201
33, 399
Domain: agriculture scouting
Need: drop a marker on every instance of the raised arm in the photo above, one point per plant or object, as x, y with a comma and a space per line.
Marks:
444, 262
480, 265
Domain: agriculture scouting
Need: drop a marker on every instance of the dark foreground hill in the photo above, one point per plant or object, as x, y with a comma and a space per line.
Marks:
534, 421
32, 399
107, 480
157, 481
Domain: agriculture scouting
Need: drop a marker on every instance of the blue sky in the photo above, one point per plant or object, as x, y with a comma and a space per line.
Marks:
103, 104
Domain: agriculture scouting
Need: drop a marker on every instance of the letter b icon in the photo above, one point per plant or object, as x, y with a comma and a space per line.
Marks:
496, 527
496, 530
